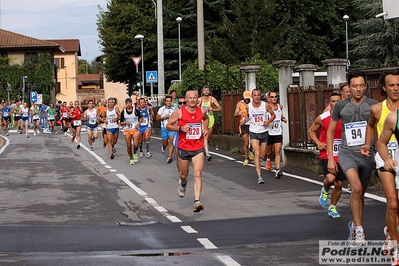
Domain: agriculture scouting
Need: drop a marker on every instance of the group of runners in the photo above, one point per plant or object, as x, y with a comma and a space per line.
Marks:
356, 133
20, 114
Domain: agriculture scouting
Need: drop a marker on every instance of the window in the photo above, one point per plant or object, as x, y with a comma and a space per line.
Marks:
30, 55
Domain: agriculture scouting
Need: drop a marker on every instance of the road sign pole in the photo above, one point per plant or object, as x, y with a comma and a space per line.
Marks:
152, 89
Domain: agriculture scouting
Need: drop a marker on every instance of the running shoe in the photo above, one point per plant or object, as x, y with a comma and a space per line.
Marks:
278, 174
112, 156
323, 199
27, 135
360, 239
78, 146
73, 139
352, 235
349, 187
182, 190
141, 154
20, 132
260, 180
332, 212
208, 157
169, 160
246, 162
198, 206
388, 242
268, 165
251, 156
34, 133
395, 259
131, 161
7, 134
135, 157
162, 149
91, 148
65, 134
113, 149
148, 154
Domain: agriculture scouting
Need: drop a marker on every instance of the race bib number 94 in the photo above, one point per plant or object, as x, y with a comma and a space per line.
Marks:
355, 133
194, 132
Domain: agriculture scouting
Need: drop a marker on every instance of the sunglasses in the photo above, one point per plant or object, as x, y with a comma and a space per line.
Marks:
273, 97
182, 102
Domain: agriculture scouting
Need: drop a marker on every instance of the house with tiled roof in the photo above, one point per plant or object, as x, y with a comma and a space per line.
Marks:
67, 65
18, 47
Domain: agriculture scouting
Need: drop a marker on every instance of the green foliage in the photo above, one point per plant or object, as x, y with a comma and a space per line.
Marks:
40, 77
376, 41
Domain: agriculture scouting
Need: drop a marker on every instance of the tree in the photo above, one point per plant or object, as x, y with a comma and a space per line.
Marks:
376, 41
40, 71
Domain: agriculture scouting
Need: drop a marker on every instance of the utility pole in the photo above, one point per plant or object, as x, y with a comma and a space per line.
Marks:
200, 30
161, 71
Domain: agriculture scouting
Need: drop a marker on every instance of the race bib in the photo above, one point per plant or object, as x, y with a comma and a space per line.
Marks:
111, 121
355, 133
392, 149
65, 115
336, 146
92, 121
77, 122
51, 117
145, 121
35, 117
194, 132
25, 114
258, 119
6, 114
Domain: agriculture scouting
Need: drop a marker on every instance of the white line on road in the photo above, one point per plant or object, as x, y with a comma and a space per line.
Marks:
227, 260
5, 145
130, 184
207, 243
173, 219
189, 229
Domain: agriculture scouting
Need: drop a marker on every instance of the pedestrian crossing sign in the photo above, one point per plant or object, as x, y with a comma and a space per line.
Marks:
151, 76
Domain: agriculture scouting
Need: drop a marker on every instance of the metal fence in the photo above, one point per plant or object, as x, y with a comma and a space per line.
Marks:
304, 105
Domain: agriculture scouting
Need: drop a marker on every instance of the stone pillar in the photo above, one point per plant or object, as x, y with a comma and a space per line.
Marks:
306, 74
285, 69
336, 71
250, 77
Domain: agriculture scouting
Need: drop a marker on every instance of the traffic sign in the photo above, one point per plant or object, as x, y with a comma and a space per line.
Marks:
33, 96
39, 98
151, 76
136, 60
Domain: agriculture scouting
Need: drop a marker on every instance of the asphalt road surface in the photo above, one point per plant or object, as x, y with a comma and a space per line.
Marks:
60, 205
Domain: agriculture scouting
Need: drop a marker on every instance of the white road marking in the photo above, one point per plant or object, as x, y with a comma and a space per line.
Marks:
130, 184
189, 229
207, 243
5, 145
227, 260
173, 219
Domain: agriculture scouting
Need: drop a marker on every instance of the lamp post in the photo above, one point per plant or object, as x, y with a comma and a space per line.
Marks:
23, 88
141, 38
178, 20
346, 18
66, 77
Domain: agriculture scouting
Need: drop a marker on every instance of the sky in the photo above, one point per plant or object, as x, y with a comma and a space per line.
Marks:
55, 19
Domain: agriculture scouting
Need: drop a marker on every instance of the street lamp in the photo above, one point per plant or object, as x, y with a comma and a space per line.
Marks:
178, 20
66, 77
141, 38
346, 18
23, 88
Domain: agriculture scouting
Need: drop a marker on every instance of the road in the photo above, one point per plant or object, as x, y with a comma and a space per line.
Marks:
65, 206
